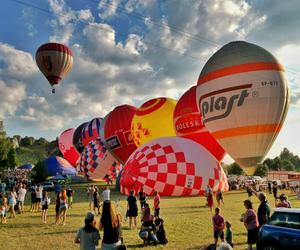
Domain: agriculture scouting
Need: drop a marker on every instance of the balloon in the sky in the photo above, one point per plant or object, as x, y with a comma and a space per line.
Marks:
117, 133
173, 166
55, 61
96, 161
58, 166
188, 124
67, 148
152, 120
91, 130
77, 137
243, 98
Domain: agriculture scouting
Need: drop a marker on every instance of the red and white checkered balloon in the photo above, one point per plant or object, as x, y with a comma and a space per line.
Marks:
172, 166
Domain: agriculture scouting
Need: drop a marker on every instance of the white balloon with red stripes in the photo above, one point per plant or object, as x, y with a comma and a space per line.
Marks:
172, 166
243, 99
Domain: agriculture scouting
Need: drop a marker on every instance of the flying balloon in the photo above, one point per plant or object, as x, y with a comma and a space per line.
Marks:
243, 98
55, 61
117, 133
152, 120
67, 148
91, 130
188, 124
173, 166
96, 161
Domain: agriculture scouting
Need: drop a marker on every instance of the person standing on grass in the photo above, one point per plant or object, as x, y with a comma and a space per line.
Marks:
250, 220
274, 188
70, 194
45, 205
96, 200
33, 200
142, 198
132, 208
90, 193
20, 198
57, 205
88, 236
12, 201
63, 206
3, 210
39, 196
218, 224
219, 197
210, 201
156, 203
106, 194
228, 233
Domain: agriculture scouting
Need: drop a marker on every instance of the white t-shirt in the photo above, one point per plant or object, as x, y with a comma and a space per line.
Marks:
39, 192
21, 194
106, 195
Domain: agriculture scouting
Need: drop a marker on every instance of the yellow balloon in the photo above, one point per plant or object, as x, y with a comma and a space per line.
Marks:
152, 120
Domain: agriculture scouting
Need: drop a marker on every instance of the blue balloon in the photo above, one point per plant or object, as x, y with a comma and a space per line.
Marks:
26, 166
56, 165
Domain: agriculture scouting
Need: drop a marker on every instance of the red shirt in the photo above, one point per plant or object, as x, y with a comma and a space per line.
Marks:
157, 201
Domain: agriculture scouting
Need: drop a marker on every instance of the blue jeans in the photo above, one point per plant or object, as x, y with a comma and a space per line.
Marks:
146, 236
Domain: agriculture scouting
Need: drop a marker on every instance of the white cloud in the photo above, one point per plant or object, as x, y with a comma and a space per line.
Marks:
108, 8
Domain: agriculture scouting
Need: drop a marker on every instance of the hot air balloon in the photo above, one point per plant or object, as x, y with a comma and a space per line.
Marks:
173, 166
243, 98
77, 137
152, 120
96, 161
117, 133
188, 124
55, 165
67, 148
55, 61
91, 130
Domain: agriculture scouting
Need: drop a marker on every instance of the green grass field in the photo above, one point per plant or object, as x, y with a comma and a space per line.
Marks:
187, 222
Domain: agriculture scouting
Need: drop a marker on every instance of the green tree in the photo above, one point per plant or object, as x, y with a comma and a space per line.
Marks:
261, 170
39, 174
288, 165
5, 145
11, 158
235, 169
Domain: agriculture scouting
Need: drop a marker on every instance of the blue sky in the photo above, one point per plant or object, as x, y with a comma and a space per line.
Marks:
128, 51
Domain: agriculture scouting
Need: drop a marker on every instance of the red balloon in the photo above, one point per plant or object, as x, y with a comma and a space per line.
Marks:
67, 148
188, 124
117, 132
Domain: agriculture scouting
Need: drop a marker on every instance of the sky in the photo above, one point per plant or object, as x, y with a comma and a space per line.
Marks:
130, 51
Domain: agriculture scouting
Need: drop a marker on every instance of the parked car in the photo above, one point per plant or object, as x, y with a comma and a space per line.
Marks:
47, 186
282, 231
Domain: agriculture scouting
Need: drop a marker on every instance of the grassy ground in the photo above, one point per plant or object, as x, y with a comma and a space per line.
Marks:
187, 221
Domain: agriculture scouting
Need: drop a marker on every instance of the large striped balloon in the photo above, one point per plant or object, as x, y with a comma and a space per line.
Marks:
188, 124
243, 98
91, 131
173, 166
55, 61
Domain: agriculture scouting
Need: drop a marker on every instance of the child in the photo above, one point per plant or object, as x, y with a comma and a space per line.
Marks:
228, 233
45, 204
3, 208
218, 224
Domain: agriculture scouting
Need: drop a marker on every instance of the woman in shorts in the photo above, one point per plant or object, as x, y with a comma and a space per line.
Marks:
63, 207
45, 204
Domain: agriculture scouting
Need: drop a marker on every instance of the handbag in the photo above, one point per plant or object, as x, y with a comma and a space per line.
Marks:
123, 245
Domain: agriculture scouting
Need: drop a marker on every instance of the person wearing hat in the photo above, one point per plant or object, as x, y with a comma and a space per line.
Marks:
88, 236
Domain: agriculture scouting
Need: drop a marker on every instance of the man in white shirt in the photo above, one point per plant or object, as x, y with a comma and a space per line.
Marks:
20, 198
106, 194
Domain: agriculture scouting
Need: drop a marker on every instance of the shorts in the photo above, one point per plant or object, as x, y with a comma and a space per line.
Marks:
62, 207
252, 235
38, 199
44, 207
218, 234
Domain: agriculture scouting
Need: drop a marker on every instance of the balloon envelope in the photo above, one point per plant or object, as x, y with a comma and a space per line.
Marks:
188, 124
25, 167
96, 161
243, 98
117, 133
77, 137
57, 165
152, 120
67, 148
172, 166
91, 130
55, 61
